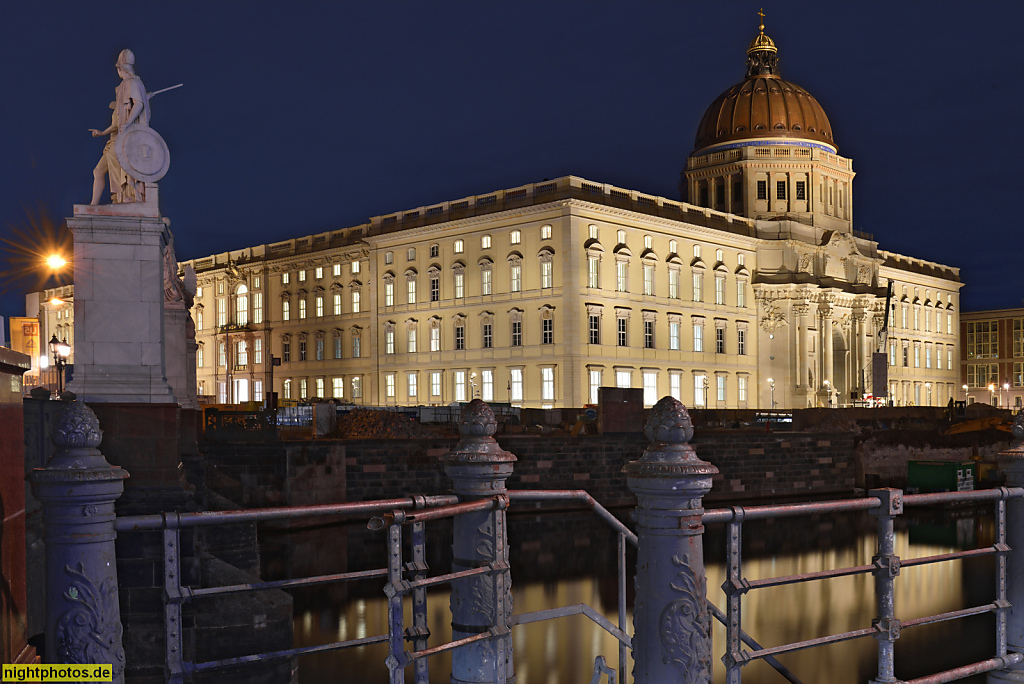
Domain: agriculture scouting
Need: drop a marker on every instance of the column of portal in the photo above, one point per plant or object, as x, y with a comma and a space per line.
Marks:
800, 332
826, 345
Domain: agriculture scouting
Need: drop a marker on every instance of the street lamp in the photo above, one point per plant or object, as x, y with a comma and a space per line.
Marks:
965, 392
1006, 388
472, 385
828, 392
55, 261
771, 386
60, 350
991, 393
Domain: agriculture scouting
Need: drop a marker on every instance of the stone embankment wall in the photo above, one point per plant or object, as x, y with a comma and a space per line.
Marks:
752, 464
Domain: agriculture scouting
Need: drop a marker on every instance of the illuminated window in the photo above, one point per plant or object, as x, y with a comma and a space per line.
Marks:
698, 335
620, 235
302, 276
302, 308
622, 331
516, 384
622, 276
241, 305
389, 257
485, 242
355, 301
435, 383
595, 385
319, 306
593, 236
460, 246
411, 382
410, 290
594, 272
547, 384
355, 267
649, 279
389, 385
595, 328
719, 289
545, 232
337, 303
515, 237
698, 286
319, 272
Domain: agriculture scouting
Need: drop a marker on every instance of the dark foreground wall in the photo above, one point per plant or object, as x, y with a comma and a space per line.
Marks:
752, 464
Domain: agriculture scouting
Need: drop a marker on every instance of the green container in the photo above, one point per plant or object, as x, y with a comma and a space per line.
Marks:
940, 476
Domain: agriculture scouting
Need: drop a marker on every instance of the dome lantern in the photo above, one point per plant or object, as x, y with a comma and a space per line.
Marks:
762, 55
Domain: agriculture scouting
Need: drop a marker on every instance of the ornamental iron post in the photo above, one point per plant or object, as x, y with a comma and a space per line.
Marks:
887, 569
478, 468
1010, 621
671, 623
78, 489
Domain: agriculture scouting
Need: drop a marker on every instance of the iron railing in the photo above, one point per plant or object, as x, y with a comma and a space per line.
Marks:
886, 505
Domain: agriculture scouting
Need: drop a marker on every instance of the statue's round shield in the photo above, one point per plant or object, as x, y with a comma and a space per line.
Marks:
143, 154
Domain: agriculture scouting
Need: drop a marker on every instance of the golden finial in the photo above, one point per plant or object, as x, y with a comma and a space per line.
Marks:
761, 42
760, 13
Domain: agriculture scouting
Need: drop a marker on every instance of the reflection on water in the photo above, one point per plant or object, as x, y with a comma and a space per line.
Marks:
563, 651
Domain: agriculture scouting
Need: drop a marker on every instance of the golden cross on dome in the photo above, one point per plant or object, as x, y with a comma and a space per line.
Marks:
760, 13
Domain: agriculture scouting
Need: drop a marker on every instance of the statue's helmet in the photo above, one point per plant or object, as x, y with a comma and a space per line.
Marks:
126, 61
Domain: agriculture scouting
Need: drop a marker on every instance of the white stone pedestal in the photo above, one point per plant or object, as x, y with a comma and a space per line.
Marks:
119, 303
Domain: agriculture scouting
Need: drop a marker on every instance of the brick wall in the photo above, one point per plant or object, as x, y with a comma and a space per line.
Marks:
751, 464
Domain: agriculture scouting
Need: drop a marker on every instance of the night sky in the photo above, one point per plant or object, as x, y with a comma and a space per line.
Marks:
302, 117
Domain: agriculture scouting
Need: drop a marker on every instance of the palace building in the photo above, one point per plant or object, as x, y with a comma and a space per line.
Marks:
754, 290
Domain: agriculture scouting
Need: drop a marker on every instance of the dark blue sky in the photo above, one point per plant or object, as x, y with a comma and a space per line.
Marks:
302, 117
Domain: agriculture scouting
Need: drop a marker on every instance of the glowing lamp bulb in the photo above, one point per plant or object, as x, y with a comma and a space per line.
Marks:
55, 261
56, 301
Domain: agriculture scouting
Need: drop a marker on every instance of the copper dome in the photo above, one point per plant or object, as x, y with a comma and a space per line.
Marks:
763, 106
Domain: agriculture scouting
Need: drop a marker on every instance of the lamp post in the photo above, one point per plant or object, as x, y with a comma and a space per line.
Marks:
60, 350
472, 386
1006, 389
991, 393
965, 393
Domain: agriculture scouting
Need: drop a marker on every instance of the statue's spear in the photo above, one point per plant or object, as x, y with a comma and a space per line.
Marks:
164, 90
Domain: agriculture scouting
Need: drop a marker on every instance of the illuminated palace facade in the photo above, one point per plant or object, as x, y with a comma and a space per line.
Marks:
755, 289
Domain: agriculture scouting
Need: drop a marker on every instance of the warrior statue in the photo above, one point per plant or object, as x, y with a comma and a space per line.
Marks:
134, 154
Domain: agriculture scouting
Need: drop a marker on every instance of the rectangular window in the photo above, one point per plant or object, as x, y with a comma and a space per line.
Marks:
700, 390
410, 291
222, 392
302, 350
460, 336
435, 338
199, 357
545, 232
410, 254
337, 303
741, 388
485, 242
411, 335
982, 375
319, 272
741, 293
356, 347
319, 306
621, 276
320, 388
320, 349
337, 347
675, 386
698, 286
285, 278
435, 383
357, 387
720, 387
435, 287
780, 190
355, 301
487, 384
595, 329
355, 268
434, 251
516, 385
982, 339
338, 386
257, 390
222, 354
302, 308
698, 336
286, 351
649, 279
547, 384
917, 318
389, 294
648, 334
741, 342
906, 356
623, 327
336, 270
927, 356
906, 311
719, 340
949, 325
460, 385
927, 320
1018, 374
762, 189
389, 385
222, 313
719, 289
801, 190
460, 285
488, 336
241, 353
515, 237
595, 384
949, 357
892, 352
673, 336
199, 319
257, 307
547, 331
673, 283
517, 333
485, 281
623, 379
286, 388
389, 341
650, 388
546, 278
593, 272
303, 383
917, 355
411, 380
516, 278
460, 246
302, 276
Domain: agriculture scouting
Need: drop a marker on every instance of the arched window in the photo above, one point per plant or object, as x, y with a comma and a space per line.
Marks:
242, 305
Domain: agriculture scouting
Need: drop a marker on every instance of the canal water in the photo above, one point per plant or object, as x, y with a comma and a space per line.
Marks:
564, 558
